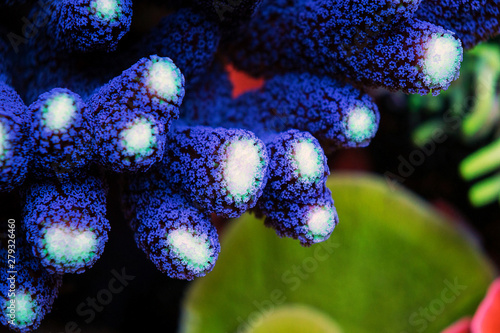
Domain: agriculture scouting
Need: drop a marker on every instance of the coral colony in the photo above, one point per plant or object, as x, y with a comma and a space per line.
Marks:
160, 111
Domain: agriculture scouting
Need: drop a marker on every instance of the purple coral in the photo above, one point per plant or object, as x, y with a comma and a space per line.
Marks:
472, 20
175, 235
297, 167
15, 141
87, 25
133, 111
223, 171
26, 299
376, 44
61, 132
311, 221
103, 100
66, 223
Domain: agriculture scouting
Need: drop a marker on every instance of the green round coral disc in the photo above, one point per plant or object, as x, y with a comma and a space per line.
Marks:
295, 319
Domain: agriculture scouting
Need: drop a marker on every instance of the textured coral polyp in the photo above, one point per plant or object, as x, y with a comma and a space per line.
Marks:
79, 101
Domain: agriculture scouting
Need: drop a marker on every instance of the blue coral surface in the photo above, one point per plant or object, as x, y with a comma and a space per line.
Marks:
85, 94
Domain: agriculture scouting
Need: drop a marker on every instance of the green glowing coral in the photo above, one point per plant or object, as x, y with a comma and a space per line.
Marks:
391, 256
